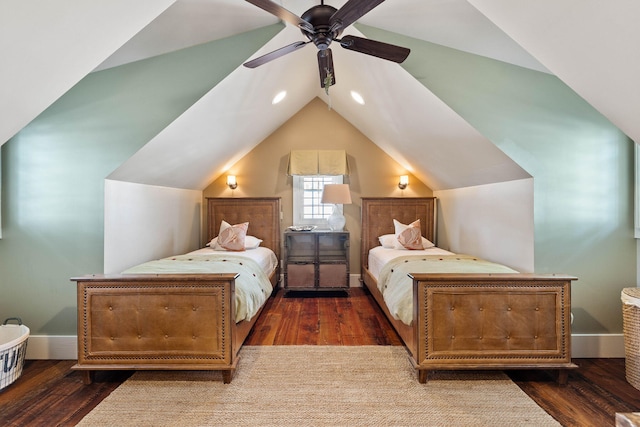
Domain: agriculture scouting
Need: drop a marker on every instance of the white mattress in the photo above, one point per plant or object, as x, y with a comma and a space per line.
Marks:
379, 256
265, 257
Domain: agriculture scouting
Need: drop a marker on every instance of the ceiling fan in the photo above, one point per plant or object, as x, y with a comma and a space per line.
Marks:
323, 24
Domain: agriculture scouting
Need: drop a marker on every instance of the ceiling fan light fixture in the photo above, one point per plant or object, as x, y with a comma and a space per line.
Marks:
279, 97
357, 97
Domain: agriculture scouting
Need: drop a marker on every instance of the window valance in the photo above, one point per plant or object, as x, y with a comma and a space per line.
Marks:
318, 162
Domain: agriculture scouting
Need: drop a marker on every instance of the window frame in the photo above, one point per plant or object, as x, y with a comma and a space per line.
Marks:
299, 200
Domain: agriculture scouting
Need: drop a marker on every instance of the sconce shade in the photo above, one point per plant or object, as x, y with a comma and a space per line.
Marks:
231, 182
336, 194
404, 181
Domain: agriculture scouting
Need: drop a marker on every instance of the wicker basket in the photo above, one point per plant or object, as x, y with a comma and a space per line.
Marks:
631, 320
13, 347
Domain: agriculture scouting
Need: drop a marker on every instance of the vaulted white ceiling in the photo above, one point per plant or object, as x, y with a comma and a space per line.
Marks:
589, 44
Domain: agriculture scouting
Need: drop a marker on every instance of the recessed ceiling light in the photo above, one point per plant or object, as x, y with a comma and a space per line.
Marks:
279, 97
357, 97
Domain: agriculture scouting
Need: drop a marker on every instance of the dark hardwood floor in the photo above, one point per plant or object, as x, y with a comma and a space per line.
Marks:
50, 394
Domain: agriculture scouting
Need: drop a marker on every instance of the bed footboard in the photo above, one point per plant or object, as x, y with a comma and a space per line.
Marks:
174, 322
492, 321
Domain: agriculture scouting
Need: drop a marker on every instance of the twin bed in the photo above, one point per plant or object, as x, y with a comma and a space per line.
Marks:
188, 312
451, 311
462, 312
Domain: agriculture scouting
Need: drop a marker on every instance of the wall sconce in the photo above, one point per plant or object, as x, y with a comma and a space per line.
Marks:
231, 182
404, 181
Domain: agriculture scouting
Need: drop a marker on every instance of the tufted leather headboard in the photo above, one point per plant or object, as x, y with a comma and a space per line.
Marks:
262, 213
378, 214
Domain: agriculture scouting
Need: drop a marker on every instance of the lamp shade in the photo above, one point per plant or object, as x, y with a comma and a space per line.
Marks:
337, 194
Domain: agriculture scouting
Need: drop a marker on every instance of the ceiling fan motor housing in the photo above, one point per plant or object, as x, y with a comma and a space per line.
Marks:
320, 18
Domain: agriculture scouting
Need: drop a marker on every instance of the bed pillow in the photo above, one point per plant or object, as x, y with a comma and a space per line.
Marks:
250, 242
409, 237
389, 241
232, 237
426, 243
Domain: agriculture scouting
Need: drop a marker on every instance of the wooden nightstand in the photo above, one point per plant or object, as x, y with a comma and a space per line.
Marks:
316, 260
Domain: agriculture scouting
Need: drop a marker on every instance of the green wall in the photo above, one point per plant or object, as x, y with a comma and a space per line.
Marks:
53, 171
582, 167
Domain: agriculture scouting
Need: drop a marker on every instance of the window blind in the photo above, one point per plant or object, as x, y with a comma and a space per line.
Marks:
318, 162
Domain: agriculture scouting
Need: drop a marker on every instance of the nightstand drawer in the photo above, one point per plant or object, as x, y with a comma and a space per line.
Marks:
332, 275
300, 276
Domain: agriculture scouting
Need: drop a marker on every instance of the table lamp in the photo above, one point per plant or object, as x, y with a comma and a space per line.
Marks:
337, 194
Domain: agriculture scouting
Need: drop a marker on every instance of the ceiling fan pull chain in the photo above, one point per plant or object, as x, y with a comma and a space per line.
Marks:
327, 80
327, 85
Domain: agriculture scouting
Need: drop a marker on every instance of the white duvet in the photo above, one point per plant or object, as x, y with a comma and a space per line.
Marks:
254, 266
393, 267
380, 256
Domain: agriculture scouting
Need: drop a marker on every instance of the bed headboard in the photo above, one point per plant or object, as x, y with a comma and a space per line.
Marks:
262, 213
378, 214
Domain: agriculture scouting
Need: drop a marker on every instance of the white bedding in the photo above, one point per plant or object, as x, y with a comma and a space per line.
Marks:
393, 267
380, 256
254, 266
265, 257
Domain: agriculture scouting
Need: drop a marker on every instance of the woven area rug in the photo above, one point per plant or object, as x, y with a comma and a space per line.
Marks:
317, 386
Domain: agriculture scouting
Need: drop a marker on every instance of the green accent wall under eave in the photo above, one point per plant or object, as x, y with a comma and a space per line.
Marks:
582, 167
53, 171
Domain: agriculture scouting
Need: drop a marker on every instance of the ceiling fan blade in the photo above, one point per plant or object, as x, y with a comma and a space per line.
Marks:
325, 66
282, 13
351, 12
274, 55
382, 50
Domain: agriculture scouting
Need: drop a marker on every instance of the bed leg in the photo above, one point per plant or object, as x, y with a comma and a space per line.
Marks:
87, 377
227, 375
563, 376
423, 376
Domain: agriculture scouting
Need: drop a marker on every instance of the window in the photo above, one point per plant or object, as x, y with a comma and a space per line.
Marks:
307, 193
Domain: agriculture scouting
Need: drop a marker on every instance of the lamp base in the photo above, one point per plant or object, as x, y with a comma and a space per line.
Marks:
336, 221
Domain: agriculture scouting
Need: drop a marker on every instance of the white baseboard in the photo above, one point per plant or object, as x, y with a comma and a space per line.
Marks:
597, 346
582, 346
52, 347
354, 281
